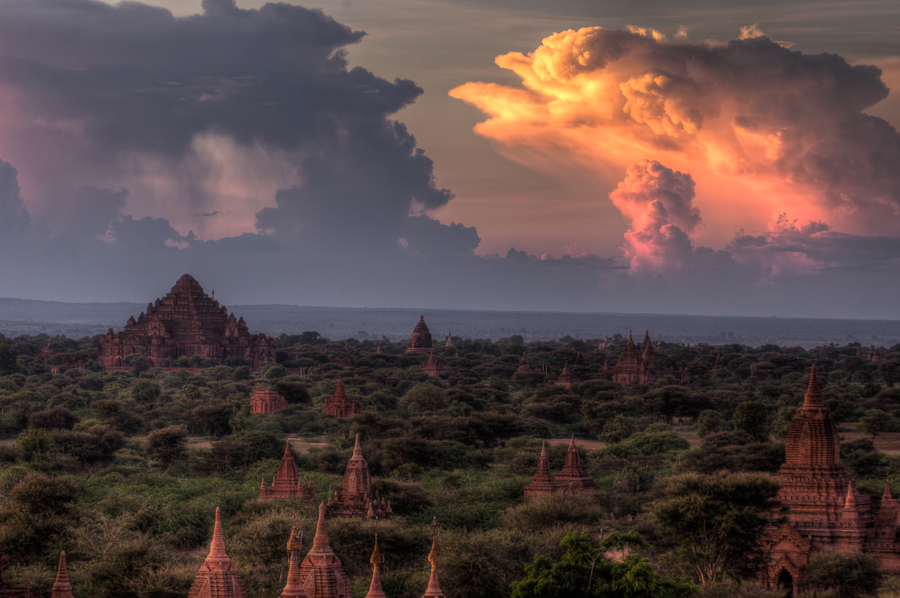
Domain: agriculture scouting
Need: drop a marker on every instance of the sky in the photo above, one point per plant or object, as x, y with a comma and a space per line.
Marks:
694, 157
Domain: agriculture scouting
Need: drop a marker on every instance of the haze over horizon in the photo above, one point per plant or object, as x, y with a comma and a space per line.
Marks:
703, 158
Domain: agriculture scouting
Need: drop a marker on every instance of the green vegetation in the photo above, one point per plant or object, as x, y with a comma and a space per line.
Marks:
124, 469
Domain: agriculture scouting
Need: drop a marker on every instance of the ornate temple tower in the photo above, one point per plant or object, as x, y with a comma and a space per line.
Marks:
287, 482
825, 510
356, 498
573, 478
185, 323
340, 405
420, 340
542, 482
320, 572
217, 576
61, 587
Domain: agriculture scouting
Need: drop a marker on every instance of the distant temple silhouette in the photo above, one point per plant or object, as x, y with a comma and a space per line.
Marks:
632, 369
420, 339
185, 323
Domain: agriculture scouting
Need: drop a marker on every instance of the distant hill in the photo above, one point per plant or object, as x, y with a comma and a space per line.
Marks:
23, 316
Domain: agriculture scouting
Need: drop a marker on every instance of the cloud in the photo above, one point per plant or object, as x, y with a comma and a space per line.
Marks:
14, 217
211, 113
657, 201
760, 128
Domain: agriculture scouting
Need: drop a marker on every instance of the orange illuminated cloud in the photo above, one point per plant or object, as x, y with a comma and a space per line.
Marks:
761, 130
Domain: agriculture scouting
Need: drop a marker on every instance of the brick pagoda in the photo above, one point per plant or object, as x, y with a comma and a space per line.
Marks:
321, 574
571, 480
433, 367
217, 576
61, 586
524, 368
356, 499
287, 483
294, 586
185, 323
825, 510
267, 401
420, 339
565, 378
340, 405
635, 369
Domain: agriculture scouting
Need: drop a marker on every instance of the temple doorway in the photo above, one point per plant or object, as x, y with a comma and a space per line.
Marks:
786, 583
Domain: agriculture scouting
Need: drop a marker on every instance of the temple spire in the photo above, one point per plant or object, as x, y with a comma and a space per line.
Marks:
376, 559
217, 546
294, 588
813, 398
320, 541
357, 449
61, 587
434, 588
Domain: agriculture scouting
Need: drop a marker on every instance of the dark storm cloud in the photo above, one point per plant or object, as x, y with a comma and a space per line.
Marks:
14, 217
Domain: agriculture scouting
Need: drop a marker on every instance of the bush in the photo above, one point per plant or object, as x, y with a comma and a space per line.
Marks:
556, 509
165, 445
851, 574
424, 398
655, 443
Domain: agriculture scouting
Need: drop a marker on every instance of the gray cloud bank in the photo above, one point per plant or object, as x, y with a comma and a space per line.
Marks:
87, 90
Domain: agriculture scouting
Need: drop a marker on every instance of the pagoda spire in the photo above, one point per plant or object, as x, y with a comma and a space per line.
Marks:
357, 449
376, 559
294, 588
217, 576
320, 541
813, 398
434, 588
61, 587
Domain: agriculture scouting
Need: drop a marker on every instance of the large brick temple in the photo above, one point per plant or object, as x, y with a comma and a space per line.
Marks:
636, 367
185, 323
825, 511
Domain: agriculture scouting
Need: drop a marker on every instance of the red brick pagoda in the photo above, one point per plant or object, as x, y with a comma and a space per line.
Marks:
267, 401
340, 405
825, 510
61, 586
287, 483
571, 480
185, 323
420, 339
524, 368
356, 498
634, 369
217, 576
565, 378
321, 574
433, 367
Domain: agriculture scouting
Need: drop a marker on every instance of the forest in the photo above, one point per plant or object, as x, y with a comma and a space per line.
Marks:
124, 469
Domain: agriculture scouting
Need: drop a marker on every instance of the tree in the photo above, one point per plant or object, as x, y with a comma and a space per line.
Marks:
165, 445
708, 422
876, 421
8, 357
618, 429
424, 398
58, 418
145, 391
214, 417
715, 522
584, 570
887, 370
852, 574
752, 418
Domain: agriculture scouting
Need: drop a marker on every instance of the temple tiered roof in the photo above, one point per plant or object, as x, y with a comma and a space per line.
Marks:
185, 323
217, 576
420, 339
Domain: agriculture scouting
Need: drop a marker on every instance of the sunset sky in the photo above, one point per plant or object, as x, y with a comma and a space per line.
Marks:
698, 157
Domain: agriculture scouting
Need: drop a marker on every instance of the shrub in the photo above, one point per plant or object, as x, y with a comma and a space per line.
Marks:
57, 418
